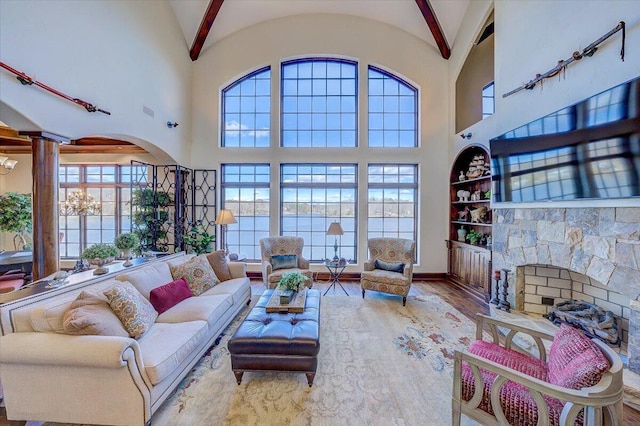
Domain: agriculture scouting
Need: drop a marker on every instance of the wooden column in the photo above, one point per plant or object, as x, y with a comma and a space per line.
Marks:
45, 159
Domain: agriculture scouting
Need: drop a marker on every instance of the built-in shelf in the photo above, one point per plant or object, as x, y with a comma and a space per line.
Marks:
460, 222
468, 181
471, 202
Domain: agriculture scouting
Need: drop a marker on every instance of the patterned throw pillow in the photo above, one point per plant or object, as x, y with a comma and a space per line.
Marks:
198, 273
218, 261
90, 314
134, 311
575, 361
284, 261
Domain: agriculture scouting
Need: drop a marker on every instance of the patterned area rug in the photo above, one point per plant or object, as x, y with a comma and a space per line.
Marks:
379, 364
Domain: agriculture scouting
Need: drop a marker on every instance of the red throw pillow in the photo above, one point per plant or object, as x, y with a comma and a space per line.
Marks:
575, 361
167, 296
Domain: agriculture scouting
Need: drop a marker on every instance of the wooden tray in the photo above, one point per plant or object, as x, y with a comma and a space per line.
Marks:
295, 306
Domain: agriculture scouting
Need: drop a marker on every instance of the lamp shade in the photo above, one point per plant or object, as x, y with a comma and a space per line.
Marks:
335, 229
225, 217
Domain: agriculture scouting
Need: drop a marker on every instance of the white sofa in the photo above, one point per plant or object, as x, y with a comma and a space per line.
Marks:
50, 376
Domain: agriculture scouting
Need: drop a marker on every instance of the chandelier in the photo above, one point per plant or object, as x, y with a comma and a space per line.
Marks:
79, 203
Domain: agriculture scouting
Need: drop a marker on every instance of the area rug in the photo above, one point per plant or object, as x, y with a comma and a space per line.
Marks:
379, 364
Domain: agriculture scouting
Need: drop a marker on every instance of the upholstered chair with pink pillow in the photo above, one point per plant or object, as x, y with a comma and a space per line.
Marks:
578, 382
390, 266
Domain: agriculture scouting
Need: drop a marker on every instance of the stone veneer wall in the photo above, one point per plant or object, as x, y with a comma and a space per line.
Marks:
601, 243
560, 285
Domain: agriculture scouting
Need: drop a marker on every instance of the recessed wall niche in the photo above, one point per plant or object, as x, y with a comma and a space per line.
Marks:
475, 74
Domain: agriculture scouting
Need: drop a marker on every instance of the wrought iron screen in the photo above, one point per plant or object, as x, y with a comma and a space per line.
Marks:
167, 200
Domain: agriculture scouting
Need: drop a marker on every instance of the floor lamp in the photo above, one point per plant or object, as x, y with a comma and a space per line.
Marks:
335, 229
225, 217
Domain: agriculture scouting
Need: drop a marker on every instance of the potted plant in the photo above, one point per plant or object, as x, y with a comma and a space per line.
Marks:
290, 283
16, 217
474, 237
198, 240
99, 255
126, 242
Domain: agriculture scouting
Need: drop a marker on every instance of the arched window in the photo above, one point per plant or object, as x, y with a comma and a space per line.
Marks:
393, 111
246, 111
319, 103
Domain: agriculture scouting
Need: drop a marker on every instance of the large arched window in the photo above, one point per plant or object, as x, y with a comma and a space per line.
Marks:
319, 103
246, 111
393, 111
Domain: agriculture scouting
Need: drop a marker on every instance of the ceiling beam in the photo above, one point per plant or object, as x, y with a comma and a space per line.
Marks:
432, 21
205, 26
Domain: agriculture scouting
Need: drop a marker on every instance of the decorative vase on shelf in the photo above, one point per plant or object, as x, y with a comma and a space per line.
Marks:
462, 176
462, 233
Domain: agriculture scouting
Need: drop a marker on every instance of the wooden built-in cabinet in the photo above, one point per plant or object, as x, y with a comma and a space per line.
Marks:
469, 243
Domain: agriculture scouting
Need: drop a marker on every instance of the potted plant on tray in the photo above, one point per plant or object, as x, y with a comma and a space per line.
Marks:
289, 283
99, 255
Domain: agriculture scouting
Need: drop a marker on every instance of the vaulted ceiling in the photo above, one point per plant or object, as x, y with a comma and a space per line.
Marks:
224, 17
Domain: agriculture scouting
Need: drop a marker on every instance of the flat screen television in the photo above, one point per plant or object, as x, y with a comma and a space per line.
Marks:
589, 150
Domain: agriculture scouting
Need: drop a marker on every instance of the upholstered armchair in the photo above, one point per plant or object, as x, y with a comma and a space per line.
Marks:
281, 255
390, 266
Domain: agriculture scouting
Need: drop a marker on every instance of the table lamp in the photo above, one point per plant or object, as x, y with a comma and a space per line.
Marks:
335, 229
225, 217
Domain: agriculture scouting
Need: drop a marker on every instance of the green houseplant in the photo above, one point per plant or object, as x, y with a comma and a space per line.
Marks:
293, 281
99, 255
16, 217
474, 237
126, 242
150, 213
198, 240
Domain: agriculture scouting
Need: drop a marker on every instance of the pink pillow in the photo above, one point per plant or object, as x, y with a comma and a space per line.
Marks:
575, 362
167, 296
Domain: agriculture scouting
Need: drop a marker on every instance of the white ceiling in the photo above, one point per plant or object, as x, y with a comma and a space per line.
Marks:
234, 15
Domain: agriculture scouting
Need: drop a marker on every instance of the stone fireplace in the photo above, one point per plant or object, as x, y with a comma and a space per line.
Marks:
589, 254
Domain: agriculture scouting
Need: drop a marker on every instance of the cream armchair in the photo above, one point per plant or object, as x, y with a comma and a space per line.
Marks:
283, 248
390, 266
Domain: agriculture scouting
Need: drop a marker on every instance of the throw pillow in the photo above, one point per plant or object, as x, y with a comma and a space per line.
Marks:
284, 261
167, 296
218, 261
147, 278
575, 361
390, 266
134, 311
90, 314
198, 273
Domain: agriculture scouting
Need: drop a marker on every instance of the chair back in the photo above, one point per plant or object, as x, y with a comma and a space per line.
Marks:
272, 246
392, 249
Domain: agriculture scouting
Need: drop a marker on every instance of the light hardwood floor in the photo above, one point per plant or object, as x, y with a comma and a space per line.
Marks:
463, 302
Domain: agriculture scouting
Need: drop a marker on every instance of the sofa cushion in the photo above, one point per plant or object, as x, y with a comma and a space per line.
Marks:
166, 346
148, 278
90, 314
284, 261
575, 361
134, 311
49, 319
198, 273
218, 261
389, 266
201, 308
237, 288
180, 260
169, 295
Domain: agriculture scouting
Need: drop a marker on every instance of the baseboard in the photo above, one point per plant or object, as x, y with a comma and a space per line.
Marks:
355, 276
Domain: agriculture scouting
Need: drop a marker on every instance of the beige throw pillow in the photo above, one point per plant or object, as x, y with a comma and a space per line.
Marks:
218, 261
90, 314
134, 311
198, 273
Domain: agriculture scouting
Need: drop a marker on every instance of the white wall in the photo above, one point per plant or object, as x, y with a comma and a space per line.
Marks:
368, 42
118, 55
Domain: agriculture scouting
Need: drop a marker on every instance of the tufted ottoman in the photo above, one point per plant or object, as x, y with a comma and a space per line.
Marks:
276, 341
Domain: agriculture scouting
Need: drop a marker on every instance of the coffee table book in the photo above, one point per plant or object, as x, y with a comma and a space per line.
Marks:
296, 305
